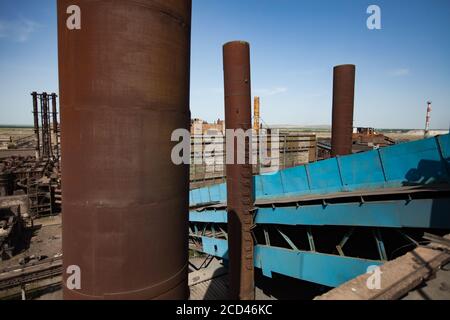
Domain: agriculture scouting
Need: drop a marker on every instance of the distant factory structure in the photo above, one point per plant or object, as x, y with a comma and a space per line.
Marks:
199, 127
287, 147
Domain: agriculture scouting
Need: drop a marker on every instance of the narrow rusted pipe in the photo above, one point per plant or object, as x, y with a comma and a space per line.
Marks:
36, 123
55, 124
49, 128
343, 105
54, 114
124, 88
46, 142
240, 198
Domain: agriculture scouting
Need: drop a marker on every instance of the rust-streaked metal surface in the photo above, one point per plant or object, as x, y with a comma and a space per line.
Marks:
36, 122
236, 60
124, 88
343, 104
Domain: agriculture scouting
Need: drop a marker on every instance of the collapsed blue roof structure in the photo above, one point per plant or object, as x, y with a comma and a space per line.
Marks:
300, 211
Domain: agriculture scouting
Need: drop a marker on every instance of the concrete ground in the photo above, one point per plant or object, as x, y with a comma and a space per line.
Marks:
437, 288
216, 289
276, 288
43, 240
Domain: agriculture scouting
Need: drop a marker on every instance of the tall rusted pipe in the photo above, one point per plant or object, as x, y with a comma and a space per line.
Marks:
55, 124
343, 105
240, 198
54, 114
46, 142
49, 128
36, 123
124, 88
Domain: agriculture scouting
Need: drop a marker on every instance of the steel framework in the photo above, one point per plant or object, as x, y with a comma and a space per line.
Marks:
327, 222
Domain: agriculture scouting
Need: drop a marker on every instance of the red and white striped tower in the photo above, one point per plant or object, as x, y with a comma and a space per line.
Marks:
427, 122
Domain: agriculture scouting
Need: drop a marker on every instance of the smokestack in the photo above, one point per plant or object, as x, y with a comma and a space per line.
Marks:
54, 114
240, 198
36, 123
55, 124
124, 88
256, 117
46, 140
343, 105
427, 119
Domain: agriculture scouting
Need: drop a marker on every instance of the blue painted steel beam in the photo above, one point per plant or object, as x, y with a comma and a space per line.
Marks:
418, 213
324, 269
422, 162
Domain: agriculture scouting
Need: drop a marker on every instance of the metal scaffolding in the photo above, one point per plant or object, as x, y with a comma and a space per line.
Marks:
47, 145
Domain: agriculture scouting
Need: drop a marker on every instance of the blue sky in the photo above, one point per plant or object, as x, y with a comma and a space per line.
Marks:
294, 46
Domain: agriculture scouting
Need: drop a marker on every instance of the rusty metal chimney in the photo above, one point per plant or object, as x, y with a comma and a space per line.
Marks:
55, 124
343, 104
54, 114
124, 88
36, 123
46, 139
240, 198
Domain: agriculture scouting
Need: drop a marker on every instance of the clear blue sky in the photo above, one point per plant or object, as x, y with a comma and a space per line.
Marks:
294, 44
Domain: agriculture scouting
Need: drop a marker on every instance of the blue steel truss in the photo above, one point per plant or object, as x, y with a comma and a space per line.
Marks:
415, 213
420, 163
325, 269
